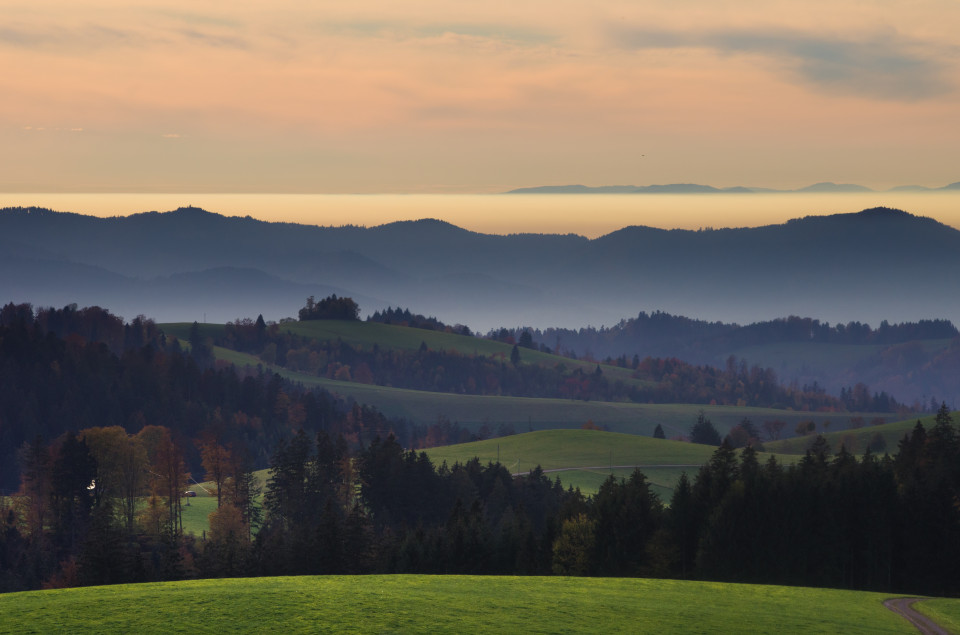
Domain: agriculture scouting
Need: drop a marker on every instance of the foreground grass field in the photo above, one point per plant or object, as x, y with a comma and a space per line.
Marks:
944, 612
376, 604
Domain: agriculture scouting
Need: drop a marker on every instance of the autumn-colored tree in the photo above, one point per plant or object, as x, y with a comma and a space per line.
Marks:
217, 462
228, 541
168, 471
774, 428
243, 488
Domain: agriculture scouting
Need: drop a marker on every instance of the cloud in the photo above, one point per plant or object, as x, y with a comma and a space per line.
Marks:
95, 37
44, 129
214, 40
403, 30
882, 66
84, 38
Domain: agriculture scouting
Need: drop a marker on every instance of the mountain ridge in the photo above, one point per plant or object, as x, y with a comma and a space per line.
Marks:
865, 266
693, 188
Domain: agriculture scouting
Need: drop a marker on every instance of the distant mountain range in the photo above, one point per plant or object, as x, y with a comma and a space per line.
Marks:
692, 188
189, 264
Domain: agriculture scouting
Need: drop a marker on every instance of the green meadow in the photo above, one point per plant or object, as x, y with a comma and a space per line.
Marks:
945, 612
586, 458
551, 449
195, 512
448, 604
857, 440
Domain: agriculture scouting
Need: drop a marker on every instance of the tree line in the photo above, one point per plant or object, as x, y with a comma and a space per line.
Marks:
662, 334
404, 317
832, 520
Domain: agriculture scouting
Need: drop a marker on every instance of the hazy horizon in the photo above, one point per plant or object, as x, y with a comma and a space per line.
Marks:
589, 215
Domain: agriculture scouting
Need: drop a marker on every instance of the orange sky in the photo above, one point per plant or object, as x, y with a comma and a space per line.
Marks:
334, 97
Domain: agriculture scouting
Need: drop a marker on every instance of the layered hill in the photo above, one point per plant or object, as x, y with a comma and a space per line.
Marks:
873, 265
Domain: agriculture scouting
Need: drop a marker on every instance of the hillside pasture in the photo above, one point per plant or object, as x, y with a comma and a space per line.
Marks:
857, 440
586, 458
412, 603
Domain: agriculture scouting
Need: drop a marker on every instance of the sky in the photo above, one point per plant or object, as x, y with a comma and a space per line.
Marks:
460, 96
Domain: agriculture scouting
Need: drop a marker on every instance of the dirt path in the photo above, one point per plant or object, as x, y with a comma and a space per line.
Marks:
904, 607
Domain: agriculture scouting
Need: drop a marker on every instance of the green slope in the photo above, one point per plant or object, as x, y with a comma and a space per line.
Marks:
585, 458
551, 449
448, 604
944, 612
857, 440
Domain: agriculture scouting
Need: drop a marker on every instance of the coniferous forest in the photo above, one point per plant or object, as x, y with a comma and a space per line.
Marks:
103, 423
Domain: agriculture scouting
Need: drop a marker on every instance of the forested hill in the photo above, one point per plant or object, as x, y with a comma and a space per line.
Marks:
662, 334
916, 361
175, 266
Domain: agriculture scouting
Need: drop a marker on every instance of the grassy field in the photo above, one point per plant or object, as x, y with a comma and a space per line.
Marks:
592, 453
552, 449
944, 612
377, 604
195, 512
859, 438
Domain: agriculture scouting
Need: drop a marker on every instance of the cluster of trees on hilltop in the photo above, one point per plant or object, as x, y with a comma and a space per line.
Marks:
888, 524
403, 317
330, 308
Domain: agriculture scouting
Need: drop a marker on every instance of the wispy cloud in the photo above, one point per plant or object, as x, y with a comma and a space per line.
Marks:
882, 65
408, 30
44, 129
95, 37
213, 39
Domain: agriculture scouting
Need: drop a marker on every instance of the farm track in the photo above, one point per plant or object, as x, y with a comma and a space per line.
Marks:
904, 607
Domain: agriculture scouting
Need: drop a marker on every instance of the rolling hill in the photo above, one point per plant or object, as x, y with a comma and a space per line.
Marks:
521, 413
407, 603
857, 440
